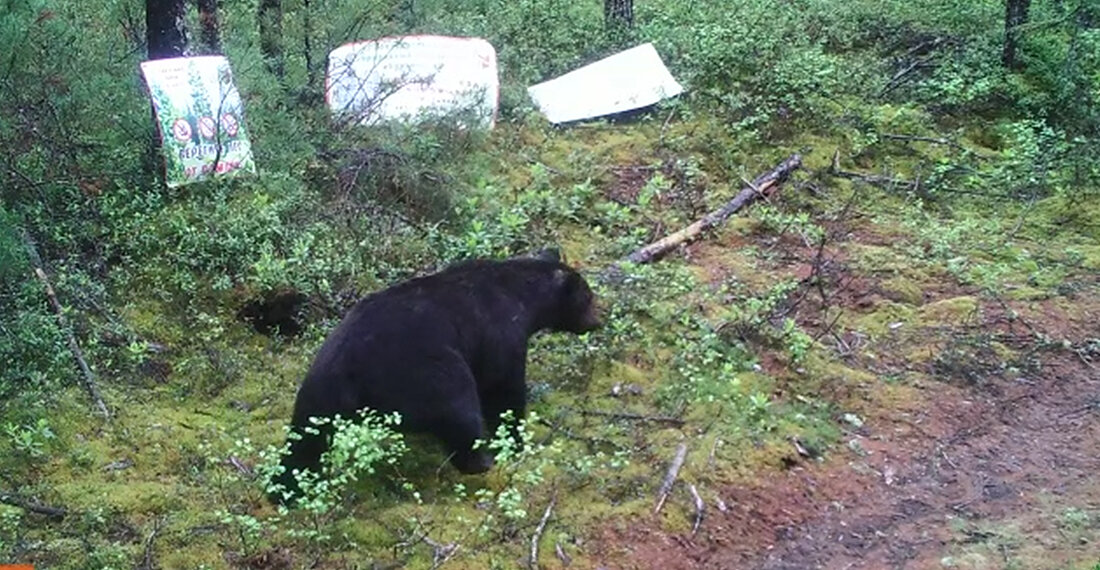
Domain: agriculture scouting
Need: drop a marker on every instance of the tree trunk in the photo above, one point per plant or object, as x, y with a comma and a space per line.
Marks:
307, 44
1015, 16
165, 31
618, 14
208, 20
165, 37
271, 35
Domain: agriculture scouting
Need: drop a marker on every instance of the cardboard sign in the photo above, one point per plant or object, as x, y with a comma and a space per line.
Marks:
411, 78
628, 80
200, 118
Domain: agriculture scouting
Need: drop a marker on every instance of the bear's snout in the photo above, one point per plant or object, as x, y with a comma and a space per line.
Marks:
591, 319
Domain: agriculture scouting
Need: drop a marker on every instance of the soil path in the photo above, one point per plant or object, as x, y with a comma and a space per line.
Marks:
986, 467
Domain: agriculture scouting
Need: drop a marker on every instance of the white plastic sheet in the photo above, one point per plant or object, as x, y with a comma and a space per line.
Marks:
628, 80
410, 78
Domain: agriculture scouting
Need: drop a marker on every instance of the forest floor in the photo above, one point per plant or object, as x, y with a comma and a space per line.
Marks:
946, 414
977, 445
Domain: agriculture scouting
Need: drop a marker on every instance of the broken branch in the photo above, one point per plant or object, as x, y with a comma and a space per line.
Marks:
148, 562
902, 76
670, 476
913, 138
441, 553
74, 346
869, 178
566, 560
31, 507
533, 562
629, 416
761, 187
700, 506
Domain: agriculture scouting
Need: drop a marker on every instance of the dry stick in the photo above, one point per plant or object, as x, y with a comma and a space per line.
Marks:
757, 188
441, 553
670, 476
868, 178
629, 416
914, 138
533, 562
74, 347
700, 506
566, 560
1080, 352
900, 76
147, 562
1023, 216
31, 507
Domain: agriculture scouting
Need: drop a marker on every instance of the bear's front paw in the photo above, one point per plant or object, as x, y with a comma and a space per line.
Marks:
471, 462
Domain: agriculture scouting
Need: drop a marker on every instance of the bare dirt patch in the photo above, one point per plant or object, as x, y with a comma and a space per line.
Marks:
991, 463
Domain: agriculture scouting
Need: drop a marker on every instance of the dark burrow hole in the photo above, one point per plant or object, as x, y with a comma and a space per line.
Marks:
280, 313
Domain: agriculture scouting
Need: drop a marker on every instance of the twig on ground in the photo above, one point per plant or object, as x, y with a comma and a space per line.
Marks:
931, 140
914, 138
887, 181
829, 327
566, 560
1080, 352
713, 450
670, 476
568, 433
664, 127
629, 416
533, 561
441, 553
1023, 217
74, 346
1015, 316
147, 562
700, 507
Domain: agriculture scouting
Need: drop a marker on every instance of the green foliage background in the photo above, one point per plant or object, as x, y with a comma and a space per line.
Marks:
153, 280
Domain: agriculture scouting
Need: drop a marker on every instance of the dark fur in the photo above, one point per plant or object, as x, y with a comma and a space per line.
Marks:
448, 351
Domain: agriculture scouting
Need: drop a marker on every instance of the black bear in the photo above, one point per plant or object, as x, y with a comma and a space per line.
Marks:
447, 351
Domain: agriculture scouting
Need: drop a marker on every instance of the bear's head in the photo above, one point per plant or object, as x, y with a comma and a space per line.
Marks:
575, 306
577, 310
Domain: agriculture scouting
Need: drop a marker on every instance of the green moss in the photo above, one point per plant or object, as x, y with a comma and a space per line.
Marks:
903, 290
1027, 293
877, 258
820, 156
881, 320
952, 311
121, 493
1090, 256
1060, 215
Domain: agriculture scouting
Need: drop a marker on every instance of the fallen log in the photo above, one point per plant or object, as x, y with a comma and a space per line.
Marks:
764, 185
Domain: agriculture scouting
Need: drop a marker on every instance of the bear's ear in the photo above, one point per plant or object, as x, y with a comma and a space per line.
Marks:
550, 254
561, 278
